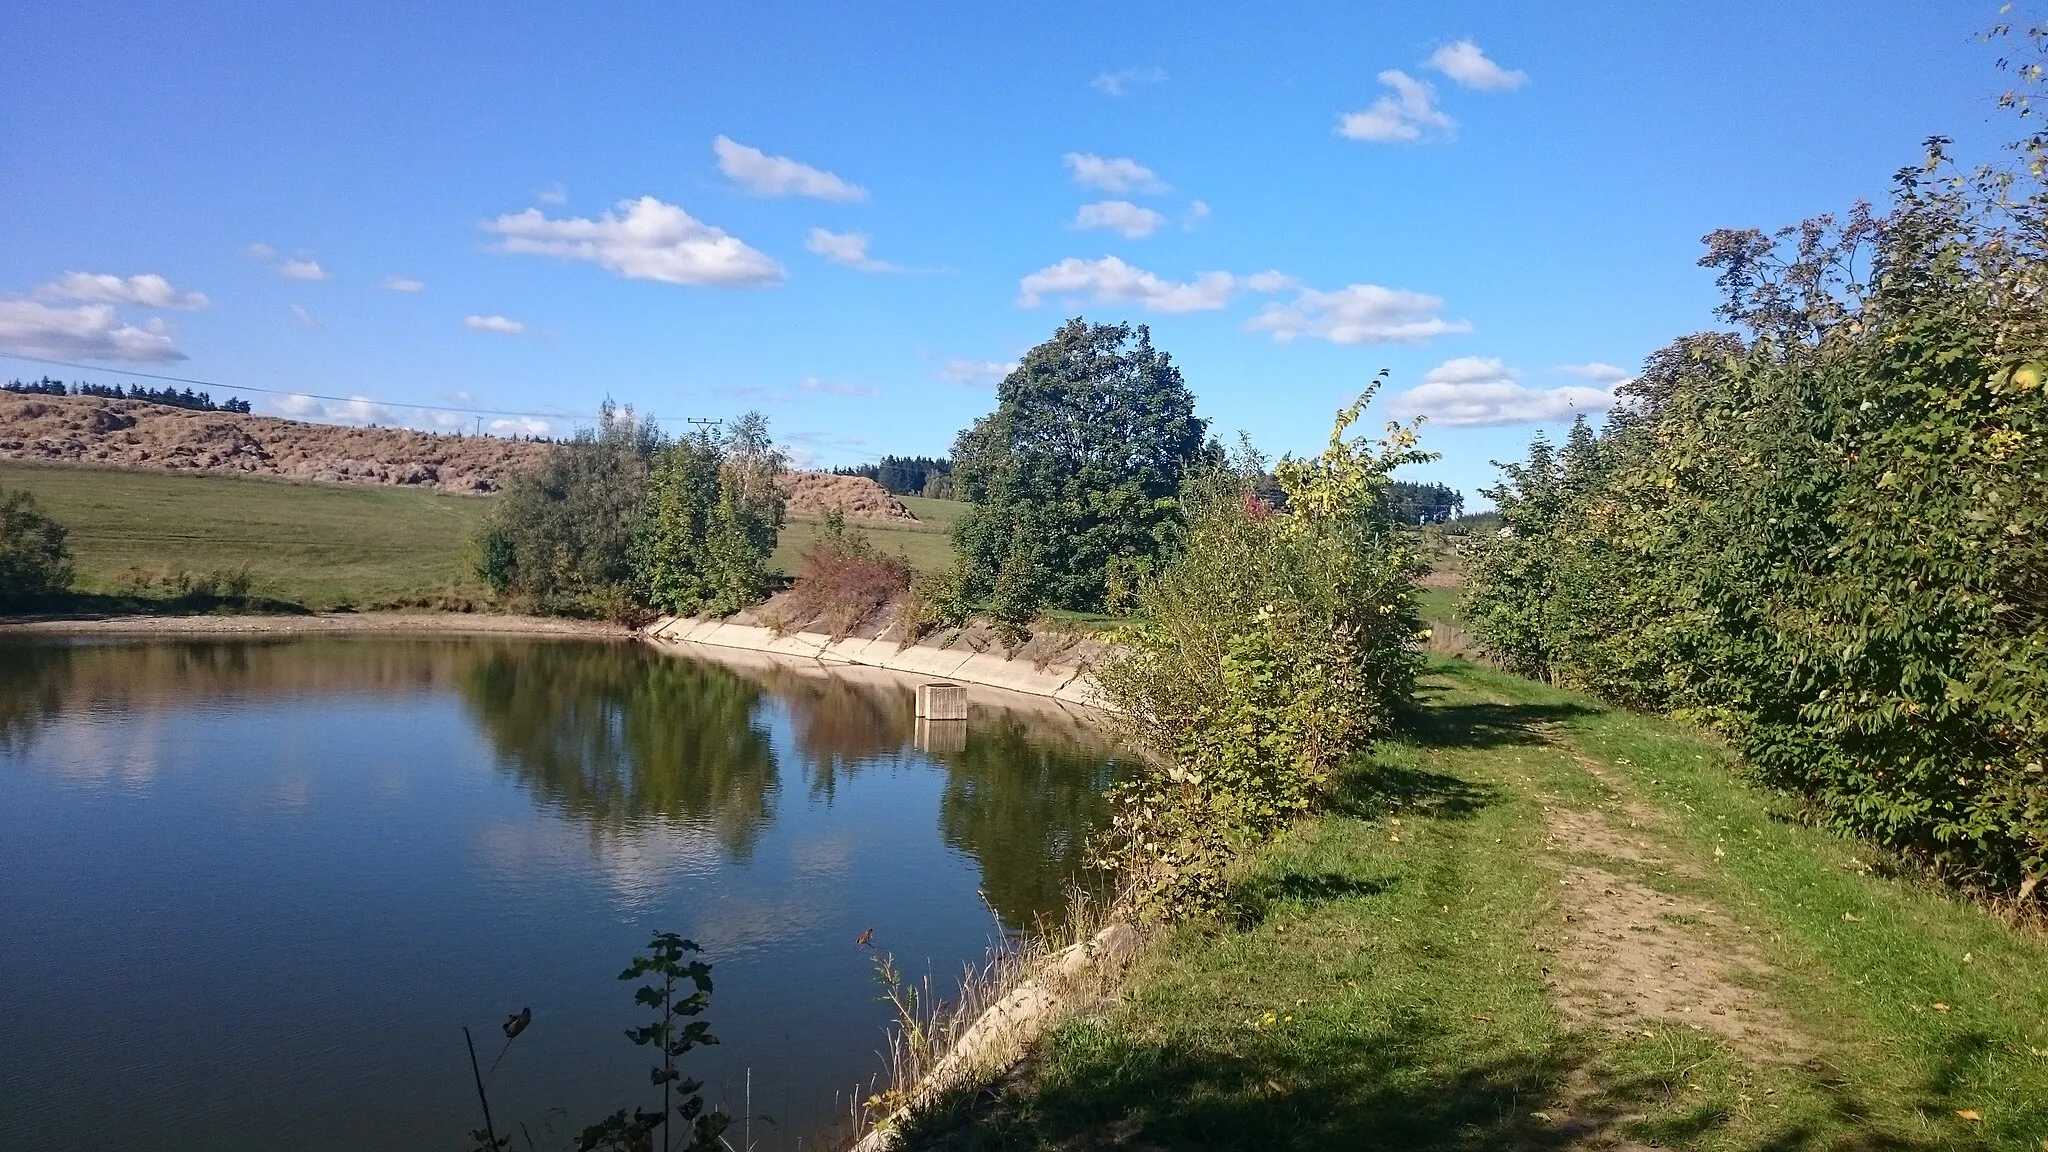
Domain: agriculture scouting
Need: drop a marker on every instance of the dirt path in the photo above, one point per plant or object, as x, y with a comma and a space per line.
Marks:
1638, 948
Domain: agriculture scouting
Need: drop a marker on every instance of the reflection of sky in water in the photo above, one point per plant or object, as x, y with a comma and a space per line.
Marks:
306, 866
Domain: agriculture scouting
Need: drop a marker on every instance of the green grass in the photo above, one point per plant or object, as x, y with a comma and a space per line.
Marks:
308, 544
1437, 604
927, 544
1376, 992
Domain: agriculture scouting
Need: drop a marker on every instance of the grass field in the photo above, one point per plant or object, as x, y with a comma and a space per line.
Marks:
1535, 922
927, 545
315, 545
324, 546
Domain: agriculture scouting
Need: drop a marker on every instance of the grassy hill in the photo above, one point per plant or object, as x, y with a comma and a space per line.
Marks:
927, 544
318, 545
325, 545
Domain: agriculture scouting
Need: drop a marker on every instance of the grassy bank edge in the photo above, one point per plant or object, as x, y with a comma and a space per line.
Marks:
1387, 978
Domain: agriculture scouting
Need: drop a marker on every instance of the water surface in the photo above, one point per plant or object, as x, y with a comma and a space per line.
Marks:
254, 889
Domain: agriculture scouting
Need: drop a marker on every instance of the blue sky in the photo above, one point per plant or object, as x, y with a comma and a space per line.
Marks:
1476, 197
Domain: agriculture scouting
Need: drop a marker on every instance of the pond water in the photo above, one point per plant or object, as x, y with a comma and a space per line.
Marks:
253, 890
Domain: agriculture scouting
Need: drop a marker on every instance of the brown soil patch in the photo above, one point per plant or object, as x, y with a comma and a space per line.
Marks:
157, 437
1631, 955
854, 497
137, 434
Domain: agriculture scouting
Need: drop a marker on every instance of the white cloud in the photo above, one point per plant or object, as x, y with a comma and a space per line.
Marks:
354, 410
305, 269
147, 290
848, 248
1595, 370
1357, 314
1402, 116
86, 332
304, 315
1122, 215
527, 425
1111, 281
1197, 212
552, 194
981, 373
1271, 280
502, 325
404, 284
779, 175
1123, 79
1113, 173
259, 251
643, 239
1481, 391
1465, 63
819, 387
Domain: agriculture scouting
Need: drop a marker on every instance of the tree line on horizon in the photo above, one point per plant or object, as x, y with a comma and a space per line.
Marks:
170, 397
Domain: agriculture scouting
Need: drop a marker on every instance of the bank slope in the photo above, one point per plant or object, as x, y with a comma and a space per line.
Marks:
1538, 922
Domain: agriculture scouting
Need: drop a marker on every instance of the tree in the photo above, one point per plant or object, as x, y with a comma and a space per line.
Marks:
34, 558
563, 534
1075, 475
1411, 503
713, 513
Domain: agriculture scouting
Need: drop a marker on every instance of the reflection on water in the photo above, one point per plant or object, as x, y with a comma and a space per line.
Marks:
614, 734
374, 841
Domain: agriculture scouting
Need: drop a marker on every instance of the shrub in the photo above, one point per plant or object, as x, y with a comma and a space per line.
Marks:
934, 599
562, 535
35, 559
1272, 647
1828, 534
713, 511
843, 580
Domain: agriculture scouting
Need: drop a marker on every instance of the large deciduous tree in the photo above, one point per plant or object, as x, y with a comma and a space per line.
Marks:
1075, 475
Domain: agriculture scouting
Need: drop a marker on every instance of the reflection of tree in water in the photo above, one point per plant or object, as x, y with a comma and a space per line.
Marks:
611, 733
838, 725
1024, 806
34, 686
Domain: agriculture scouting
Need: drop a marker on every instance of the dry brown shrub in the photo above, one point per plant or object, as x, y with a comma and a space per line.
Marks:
843, 581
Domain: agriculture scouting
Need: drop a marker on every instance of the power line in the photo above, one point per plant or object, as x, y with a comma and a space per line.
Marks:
308, 395
229, 388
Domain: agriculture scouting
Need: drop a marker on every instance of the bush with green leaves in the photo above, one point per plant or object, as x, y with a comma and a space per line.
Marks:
35, 560
1828, 533
713, 512
1076, 470
1269, 650
561, 537
621, 519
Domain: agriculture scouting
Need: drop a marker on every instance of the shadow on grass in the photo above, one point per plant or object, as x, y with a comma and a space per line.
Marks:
1414, 1085
1404, 1086
1376, 790
1482, 725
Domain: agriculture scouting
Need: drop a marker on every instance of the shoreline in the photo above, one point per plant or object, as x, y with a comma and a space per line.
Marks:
319, 623
1066, 684
990, 676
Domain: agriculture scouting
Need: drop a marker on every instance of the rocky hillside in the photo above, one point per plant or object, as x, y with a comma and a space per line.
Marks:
137, 434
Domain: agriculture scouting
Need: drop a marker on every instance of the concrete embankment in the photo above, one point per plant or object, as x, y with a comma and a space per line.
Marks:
1069, 685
